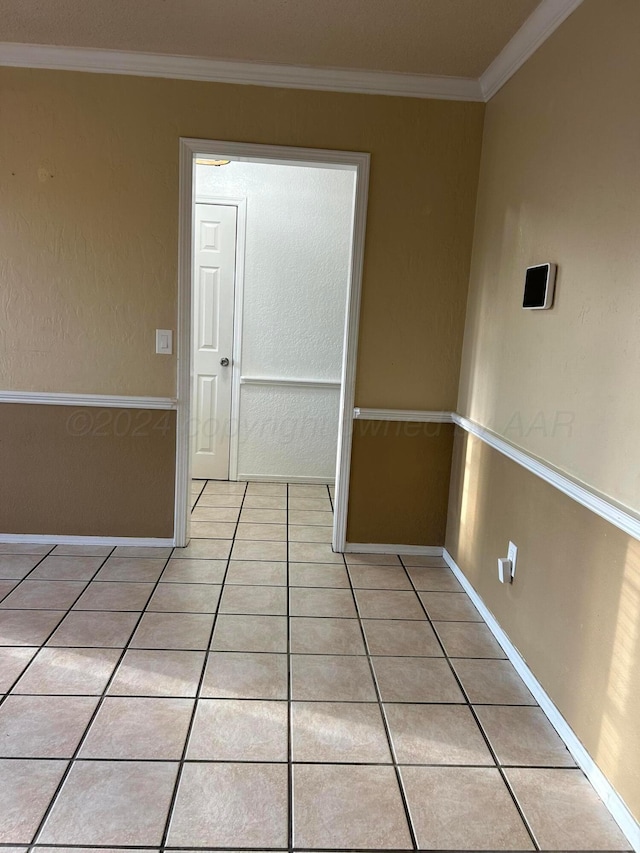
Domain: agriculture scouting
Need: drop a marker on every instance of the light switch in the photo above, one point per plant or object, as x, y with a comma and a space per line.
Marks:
164, 341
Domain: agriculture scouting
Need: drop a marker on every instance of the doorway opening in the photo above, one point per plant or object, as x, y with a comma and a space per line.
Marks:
271, 245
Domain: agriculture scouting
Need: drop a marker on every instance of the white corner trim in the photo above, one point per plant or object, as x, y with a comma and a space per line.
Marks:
605, 790
182, 503
405, 550
408, 415
246, 73
350, 356
103, 401
582, 494
293, 383
43, 539
543, 21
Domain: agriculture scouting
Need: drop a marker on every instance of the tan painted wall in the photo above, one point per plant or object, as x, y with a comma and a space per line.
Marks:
573, 610
399, 483
89, 224
560, 182
86, 471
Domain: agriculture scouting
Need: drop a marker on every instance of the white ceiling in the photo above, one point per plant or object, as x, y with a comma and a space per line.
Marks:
429, 37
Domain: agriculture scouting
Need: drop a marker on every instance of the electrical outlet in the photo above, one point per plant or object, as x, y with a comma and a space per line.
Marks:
512, 555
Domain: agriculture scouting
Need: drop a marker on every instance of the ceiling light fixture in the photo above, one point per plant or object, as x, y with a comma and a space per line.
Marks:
200, 161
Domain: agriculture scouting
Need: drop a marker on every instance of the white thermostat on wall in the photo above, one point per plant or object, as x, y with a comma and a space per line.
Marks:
539, 286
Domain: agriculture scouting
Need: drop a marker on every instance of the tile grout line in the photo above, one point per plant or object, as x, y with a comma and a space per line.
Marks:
394, 764
193, 505
307, 701
102, 759
240, 613
227, 849
182, 760
179, 849
127, 646
100, 702
260, 652
469, 705
184, 849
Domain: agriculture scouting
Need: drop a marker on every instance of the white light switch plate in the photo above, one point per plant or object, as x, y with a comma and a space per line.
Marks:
512, 555
164, 341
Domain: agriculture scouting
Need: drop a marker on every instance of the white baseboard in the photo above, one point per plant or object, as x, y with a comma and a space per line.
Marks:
285, 478
374, 548
43, 539
612, 800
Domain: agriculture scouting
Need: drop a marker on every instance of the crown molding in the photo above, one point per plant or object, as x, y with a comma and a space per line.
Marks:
541, 23
246, 73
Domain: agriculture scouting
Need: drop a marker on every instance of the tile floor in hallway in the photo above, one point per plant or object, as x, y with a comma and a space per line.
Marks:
159, 698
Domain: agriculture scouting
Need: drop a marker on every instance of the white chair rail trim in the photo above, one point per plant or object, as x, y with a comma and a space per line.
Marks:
406, 415
292, 383
588, 497
102, 401
621, 517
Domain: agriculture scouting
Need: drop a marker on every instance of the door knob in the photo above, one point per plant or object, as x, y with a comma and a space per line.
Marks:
224, 362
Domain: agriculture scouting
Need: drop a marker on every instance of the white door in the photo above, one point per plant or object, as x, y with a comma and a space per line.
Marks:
213, 297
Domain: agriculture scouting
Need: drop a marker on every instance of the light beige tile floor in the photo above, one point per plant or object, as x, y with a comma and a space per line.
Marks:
255, 691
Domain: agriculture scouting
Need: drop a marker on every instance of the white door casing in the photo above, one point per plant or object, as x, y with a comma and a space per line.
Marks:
358, 161
215, 231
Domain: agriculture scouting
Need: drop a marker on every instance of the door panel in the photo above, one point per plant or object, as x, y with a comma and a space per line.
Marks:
208, 309
206, 415
213, 296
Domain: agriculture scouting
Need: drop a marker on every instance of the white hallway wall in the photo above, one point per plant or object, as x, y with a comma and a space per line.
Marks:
298, 243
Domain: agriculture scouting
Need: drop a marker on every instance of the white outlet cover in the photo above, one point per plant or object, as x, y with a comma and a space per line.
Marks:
512, 555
